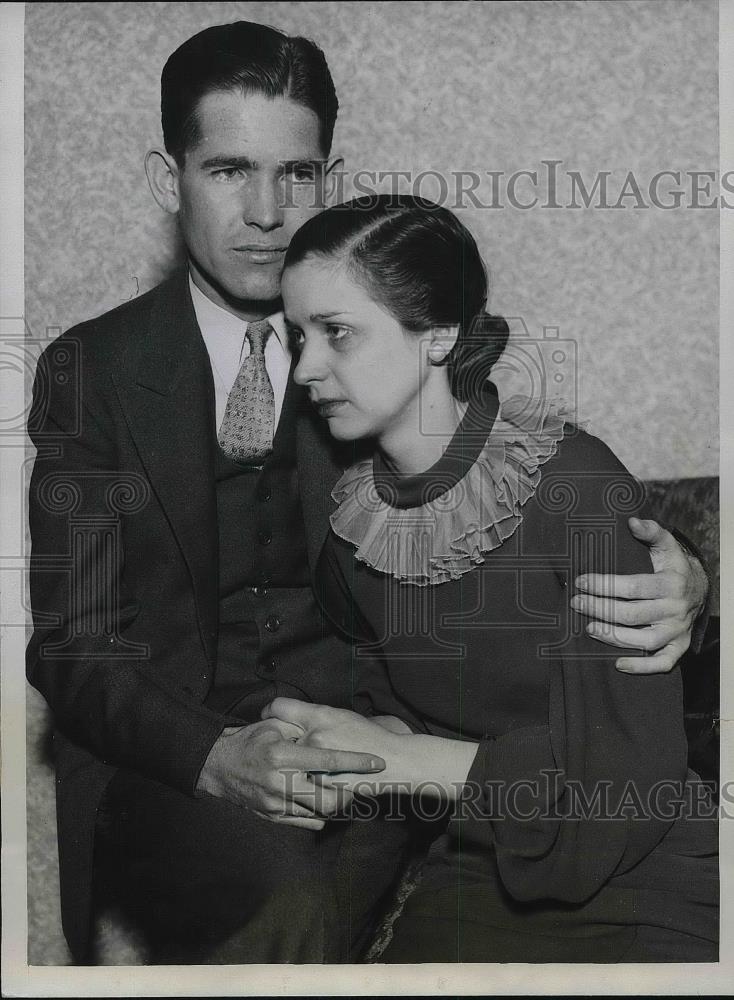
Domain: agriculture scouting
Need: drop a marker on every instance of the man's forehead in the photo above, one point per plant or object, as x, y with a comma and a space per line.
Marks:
261, 127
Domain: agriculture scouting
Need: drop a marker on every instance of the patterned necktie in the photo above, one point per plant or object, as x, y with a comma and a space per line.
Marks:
246, 434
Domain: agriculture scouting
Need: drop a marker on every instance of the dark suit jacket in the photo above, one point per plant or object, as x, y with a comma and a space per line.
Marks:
124, 574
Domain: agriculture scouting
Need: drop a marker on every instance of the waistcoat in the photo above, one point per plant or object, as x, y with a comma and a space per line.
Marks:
273, 638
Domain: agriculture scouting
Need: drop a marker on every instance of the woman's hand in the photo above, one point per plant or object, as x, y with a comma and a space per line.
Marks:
392, 723
411, 760
328, 728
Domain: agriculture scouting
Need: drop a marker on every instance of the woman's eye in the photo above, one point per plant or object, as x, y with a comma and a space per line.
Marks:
296, 338
337, 333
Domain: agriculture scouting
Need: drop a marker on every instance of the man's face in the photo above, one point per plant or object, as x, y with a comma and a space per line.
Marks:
253, 178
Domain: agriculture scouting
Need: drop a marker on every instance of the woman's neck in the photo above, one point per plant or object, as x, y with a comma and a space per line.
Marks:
420, 441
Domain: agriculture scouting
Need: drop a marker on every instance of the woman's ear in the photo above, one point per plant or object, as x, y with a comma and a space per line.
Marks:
162, 172
443, 340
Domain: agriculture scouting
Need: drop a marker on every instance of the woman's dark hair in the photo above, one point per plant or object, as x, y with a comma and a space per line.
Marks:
423, 265
252, 58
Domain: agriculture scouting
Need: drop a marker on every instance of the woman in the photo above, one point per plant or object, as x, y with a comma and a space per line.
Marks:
450, 551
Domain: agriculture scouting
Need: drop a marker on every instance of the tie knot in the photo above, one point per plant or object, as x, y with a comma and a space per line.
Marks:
257, 334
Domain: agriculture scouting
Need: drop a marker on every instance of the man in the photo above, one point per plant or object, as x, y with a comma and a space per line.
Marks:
179, 500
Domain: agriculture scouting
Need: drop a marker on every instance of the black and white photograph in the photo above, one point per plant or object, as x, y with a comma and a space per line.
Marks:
361, 455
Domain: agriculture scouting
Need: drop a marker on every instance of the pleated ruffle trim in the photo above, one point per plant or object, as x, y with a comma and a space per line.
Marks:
448, 536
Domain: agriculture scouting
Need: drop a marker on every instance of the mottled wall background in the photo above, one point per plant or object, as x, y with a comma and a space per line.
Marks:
615, 86
610, 86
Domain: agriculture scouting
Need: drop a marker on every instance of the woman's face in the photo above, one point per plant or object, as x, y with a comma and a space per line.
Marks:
364, 372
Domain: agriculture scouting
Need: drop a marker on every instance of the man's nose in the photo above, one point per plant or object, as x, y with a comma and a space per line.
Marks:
311, 365
264, 207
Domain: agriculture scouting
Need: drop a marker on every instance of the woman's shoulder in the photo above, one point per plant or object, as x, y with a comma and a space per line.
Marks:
543, 430
581, 452
536, 448
586, 478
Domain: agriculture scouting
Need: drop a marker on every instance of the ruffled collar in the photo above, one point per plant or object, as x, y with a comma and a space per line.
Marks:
471, 435
436, 526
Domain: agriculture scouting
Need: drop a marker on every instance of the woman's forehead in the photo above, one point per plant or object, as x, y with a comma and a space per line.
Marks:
317, 277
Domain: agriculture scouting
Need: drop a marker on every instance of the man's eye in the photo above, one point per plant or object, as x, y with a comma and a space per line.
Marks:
225, 174
303, 173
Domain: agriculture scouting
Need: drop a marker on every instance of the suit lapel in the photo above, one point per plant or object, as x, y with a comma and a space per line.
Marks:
166, 391
168, 400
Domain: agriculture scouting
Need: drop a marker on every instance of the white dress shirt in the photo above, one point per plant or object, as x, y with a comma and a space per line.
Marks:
226, 341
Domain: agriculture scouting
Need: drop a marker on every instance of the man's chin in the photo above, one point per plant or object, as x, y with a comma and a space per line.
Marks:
261, 289
236, 288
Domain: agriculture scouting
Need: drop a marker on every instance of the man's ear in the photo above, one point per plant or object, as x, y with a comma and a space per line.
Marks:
333, 180
442, 342
163, 177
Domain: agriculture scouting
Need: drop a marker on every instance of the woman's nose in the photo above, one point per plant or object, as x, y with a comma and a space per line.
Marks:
310, 367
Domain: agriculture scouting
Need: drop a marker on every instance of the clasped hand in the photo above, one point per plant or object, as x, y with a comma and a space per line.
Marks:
269, 768
414, 763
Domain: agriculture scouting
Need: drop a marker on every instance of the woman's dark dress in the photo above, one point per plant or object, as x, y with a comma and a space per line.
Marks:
496, 657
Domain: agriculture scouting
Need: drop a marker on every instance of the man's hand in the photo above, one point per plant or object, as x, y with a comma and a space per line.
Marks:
666, 602
262, 768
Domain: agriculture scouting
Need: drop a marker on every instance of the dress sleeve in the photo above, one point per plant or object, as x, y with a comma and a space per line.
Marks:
373, 692
568, 804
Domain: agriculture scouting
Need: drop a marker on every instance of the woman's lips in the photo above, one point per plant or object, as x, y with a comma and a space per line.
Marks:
328, 407
261, 254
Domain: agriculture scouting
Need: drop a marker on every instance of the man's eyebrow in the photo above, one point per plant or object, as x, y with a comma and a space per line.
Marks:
320, 317
221, 161
305, 161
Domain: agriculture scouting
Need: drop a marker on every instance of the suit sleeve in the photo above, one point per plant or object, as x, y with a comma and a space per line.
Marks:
568, 804
104, 692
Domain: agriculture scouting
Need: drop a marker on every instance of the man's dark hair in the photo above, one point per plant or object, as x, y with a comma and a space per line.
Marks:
246, 57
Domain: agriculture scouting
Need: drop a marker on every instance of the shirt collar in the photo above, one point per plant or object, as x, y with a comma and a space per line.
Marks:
214, 320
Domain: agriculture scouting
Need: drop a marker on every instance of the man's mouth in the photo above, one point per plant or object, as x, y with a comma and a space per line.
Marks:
259, 253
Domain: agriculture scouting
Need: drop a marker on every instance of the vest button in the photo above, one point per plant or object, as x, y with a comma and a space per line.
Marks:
268, 668
272, 624
265, 537
265, 494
